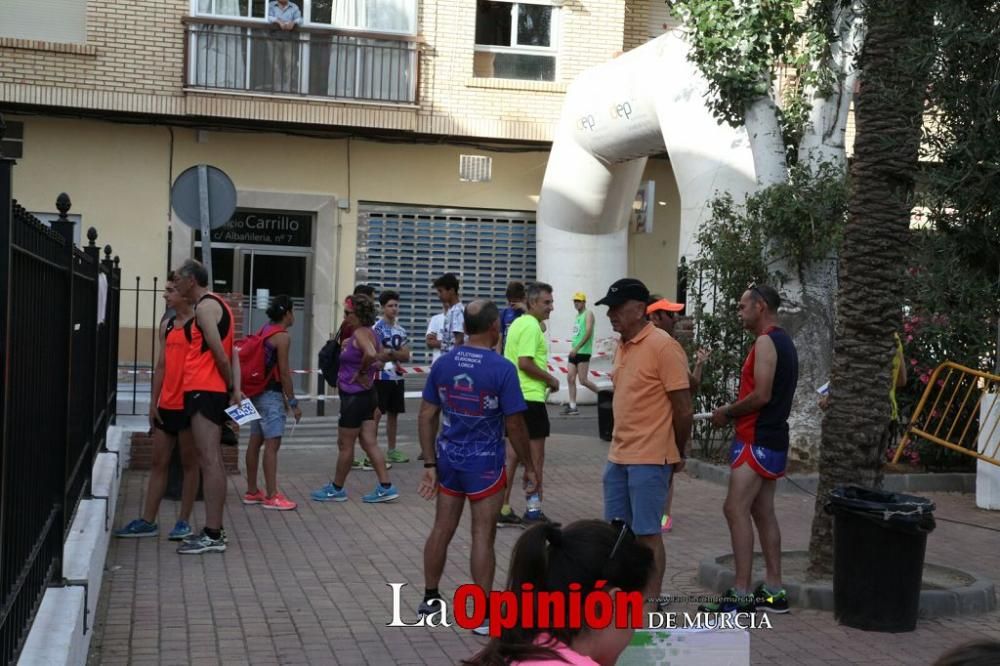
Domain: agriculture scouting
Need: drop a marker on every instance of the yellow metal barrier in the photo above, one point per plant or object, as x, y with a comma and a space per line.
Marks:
952, 402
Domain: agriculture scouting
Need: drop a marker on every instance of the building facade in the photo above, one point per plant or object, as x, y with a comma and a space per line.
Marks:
380, 141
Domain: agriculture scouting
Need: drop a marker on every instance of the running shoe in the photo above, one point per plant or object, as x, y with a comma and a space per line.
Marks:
367, 466
181, 530
381, 494
537, 518
396, 456
329, 494
254, 498
573, 411
278, 503
428, 608
666, 523
566, 409
201, 543
509, 520
731, 602
136, 529
482, 630
765, 599
358, 463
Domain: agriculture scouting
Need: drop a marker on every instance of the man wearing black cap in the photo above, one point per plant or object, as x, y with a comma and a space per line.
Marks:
652, 409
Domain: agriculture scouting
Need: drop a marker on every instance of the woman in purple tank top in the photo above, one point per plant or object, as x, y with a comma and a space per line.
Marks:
358, 401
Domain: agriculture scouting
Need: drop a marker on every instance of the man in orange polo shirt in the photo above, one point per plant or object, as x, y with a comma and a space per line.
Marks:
652, 409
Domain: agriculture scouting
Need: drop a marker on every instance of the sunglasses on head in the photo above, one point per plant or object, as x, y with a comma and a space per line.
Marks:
752, 286
624, 533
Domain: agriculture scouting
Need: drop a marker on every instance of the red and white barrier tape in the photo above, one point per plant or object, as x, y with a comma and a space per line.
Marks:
421, 369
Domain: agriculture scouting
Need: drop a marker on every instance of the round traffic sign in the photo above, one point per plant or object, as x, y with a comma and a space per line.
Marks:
185, 197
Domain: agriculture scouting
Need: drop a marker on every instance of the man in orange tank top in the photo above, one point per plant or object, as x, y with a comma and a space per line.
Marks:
210, 387
169, 423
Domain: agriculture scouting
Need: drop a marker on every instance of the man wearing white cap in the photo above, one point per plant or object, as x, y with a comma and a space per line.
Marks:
580, 352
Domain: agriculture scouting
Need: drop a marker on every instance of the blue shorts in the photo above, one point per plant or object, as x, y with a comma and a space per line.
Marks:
271, 406
769, 463
636, 494
475, 485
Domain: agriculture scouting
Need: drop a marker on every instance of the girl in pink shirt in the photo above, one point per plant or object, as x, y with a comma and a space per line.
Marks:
551, 559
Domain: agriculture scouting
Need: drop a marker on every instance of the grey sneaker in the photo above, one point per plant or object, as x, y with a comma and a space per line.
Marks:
509, 520
566, 409
201, 543
426, 607
572, 411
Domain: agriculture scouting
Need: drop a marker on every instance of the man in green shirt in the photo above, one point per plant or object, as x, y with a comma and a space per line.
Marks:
579, 353
527, 349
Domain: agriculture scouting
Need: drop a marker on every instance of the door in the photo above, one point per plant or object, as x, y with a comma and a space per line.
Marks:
266, 274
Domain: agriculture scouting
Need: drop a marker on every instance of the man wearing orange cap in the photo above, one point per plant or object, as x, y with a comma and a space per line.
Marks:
663, 314
580, 352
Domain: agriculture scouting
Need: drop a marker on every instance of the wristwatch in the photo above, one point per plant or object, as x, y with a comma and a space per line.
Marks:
429, 465
293, 402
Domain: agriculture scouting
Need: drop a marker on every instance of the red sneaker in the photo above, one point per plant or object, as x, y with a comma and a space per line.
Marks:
279, 502
254, 498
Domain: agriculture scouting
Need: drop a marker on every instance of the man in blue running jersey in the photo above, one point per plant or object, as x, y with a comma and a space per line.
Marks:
477, 397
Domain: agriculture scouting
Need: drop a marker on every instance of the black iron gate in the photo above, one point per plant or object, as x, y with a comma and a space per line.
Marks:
59, 308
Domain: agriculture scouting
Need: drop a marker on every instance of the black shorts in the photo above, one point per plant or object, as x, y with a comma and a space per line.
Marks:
537, 418
210, 404
579, 358
172, 421
356, 408
391, 398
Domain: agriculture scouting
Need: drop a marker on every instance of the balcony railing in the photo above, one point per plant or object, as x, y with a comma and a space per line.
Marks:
245, 56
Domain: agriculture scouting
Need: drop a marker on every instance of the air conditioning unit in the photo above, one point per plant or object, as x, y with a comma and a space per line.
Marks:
641, 219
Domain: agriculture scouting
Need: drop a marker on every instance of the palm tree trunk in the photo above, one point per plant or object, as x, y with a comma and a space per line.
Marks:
889, 107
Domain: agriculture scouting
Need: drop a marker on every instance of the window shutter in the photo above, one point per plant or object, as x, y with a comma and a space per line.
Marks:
63, 21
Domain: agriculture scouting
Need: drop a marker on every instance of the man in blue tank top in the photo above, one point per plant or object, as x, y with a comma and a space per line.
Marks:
476, 394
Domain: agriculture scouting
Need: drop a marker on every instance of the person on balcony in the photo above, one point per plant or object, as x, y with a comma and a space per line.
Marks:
284, 18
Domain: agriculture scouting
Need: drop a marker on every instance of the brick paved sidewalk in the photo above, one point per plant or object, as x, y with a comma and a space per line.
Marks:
310, 586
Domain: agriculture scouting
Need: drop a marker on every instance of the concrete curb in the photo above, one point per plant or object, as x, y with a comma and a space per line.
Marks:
62, 629
973, 599
949, 482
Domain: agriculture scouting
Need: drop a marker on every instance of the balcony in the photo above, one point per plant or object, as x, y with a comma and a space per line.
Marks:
248, 57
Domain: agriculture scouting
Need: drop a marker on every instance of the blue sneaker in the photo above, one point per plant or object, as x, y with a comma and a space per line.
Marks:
137, 528
381, 494
329, 494
181, 530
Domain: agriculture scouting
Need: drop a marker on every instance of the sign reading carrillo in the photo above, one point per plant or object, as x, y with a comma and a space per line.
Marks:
256, 227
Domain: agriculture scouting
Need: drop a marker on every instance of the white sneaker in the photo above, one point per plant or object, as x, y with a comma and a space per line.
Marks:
482, 630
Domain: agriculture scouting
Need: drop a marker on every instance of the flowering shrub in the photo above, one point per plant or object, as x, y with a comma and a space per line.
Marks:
950, 315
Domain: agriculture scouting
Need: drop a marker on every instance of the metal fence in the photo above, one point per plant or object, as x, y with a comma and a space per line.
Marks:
135, 378
59, 309
235, 56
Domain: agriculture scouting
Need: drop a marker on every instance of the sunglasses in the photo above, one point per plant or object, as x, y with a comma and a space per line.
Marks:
624, 532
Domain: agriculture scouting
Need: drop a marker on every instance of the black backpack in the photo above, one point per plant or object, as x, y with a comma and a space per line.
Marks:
329, 359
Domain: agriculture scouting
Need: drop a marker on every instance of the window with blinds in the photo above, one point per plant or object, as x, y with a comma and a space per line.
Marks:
62, 21
406, 249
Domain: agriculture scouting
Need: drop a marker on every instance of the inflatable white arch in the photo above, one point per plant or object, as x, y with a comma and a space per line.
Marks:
647, 101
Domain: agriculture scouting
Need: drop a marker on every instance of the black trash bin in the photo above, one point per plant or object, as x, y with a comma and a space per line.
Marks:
879, 539
605, 415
